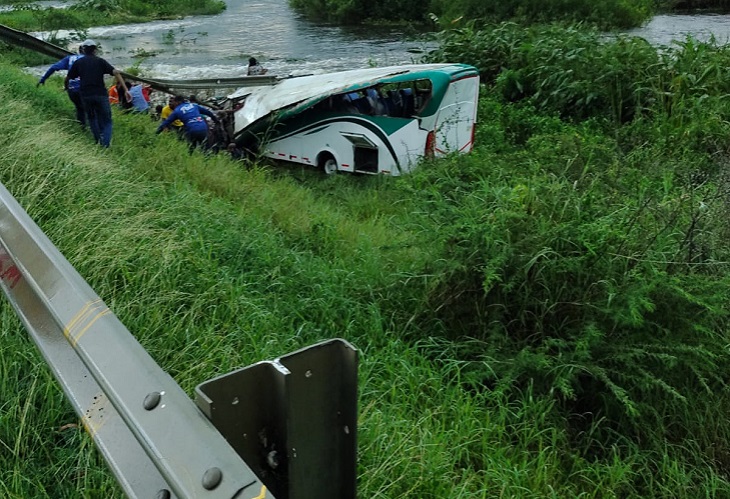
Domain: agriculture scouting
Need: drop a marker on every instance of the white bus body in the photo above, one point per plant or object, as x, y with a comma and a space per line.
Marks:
378, 120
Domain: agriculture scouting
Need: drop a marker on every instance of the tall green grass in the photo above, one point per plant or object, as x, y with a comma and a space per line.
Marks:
545, 317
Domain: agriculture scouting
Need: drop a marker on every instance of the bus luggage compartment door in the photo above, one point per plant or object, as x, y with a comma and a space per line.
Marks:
365, 152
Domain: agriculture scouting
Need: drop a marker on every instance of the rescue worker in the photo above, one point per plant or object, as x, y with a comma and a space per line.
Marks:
194, 125
166, 111
140, 103
91, 69
73, 85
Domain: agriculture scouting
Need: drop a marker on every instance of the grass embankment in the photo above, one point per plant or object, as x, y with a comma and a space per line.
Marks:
546, 317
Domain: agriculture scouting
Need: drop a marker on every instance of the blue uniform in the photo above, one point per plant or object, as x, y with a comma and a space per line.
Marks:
190, 115
194, 125
74, 85
64, 65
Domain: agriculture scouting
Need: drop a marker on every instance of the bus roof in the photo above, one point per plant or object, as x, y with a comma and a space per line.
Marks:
308, 90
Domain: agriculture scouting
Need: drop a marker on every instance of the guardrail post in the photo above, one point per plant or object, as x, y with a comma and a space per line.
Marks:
293, 420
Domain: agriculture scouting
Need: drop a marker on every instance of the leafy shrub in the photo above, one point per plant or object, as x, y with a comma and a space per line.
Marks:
578, 72
603, 13
569, 268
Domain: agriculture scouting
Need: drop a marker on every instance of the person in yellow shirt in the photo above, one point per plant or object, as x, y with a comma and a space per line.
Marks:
176, 125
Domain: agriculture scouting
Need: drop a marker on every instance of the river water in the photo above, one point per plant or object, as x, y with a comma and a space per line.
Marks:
664, 29
287, 44
219, 46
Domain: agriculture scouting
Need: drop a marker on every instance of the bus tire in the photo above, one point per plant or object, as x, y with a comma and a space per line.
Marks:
329, 165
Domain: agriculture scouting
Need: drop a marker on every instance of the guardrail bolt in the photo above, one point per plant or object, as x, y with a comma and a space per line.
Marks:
151, 400
163, 494
212, 478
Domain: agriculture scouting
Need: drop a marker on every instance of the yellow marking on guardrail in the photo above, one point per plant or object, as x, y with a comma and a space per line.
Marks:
76, 339
76, 318
91, 428
262, 495
88, 314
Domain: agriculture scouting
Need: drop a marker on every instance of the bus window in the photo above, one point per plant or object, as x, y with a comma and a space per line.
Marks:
423, 90
409, 106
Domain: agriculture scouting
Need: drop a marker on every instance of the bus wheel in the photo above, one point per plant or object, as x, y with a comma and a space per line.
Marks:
329, 166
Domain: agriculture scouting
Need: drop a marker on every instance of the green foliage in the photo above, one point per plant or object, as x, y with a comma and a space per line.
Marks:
600, 264
596, 276
603, 13
23, 57
579, 73
545, 317
85, 13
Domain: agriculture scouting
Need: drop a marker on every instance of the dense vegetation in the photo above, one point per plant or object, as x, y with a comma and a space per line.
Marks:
606, 14
82, 14
545, 317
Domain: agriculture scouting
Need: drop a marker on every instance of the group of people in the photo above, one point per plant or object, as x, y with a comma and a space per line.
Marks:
86, 89
140, 102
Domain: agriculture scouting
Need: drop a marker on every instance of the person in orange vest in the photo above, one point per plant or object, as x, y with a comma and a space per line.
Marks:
113, 94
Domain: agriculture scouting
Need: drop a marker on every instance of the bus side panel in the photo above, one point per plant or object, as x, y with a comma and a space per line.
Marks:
288, 149
409, 144
457, 117
397, 153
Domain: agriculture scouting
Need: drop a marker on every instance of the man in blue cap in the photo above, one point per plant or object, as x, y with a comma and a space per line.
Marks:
91, 69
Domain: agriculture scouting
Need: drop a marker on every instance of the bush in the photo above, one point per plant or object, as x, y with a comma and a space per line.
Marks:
578, 271
603, 13
579, 73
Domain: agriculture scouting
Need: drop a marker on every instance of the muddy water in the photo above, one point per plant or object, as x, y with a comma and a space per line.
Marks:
219, 46
287, 44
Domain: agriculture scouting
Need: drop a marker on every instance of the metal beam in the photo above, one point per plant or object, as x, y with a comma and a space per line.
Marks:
154, 438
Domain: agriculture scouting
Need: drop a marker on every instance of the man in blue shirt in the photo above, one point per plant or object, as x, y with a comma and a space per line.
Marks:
73, 85
194, 125
91, 69
139, 101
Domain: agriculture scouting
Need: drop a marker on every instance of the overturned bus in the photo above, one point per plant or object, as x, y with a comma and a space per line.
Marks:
377, 120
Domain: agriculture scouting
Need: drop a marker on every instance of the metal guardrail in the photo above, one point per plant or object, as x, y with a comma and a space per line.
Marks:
301, 438
153, 437
21, 39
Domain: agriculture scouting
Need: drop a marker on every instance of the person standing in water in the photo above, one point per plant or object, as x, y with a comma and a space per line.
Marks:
254, 68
